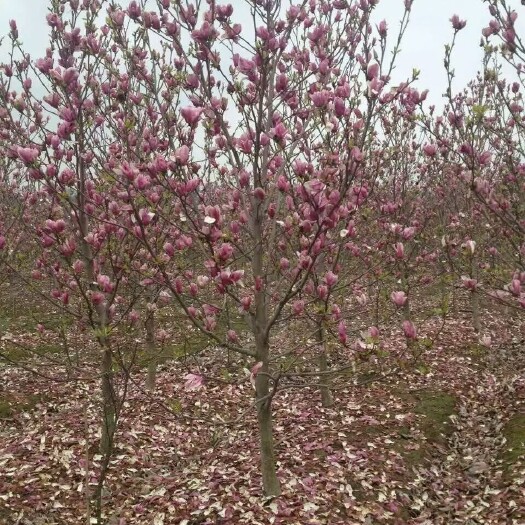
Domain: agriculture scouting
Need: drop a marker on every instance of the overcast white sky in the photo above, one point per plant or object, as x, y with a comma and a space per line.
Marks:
423, 46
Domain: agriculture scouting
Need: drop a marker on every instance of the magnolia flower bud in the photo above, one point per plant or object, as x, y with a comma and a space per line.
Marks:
399, 298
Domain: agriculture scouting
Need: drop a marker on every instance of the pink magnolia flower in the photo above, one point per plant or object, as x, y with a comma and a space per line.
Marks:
182, 155
246, 66
408, 233
336, 312
192, 185
298, 307
193, 382
382, 28
322, 291
281, 82
104, 283
264, 139
97, 298
225, 251
70, 75
373, 332
341, 331
145, 216
515, 287
78, 266
27, 155
169, 249
47, 241
134, 317
225, 277
409, 330
192, 311
320, 98
339, 107
279, 132
458, 24
330, 278
399, 298
237, 275
14, 29
246, 302
205, 33
118, 17
194, 289
430, 149
202, 280
374, 87
259, 193
356, 154
164, 298
233, 337
210, 323
372, 71
44, 65
179, 285
142, 181
470, 245
224, 11
399, 248
485, 157
254, 371
56, 226
191, 114
468, 283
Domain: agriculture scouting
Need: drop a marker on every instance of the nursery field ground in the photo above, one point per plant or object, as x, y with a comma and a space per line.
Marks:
442, 442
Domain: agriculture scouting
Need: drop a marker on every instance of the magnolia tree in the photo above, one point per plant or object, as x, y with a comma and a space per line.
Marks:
505, 201
477, 142
174, 149
458, 227
13, 249
87, 259
244, 177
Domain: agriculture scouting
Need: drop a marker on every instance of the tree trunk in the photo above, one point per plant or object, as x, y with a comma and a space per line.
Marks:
406, 306
326, 395
474, 304
406, 311
271, 485
474, 295
151, 349
377, 305
109, 415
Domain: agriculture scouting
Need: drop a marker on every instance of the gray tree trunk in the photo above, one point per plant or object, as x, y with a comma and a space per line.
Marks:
151, 349
271, 485
326, 394
109, 413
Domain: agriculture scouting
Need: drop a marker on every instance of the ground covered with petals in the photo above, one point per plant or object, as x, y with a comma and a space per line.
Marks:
440, 443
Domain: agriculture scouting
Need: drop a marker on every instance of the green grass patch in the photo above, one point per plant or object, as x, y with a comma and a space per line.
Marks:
514, 433
477, 352
10, 406
19, 354
436, 407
